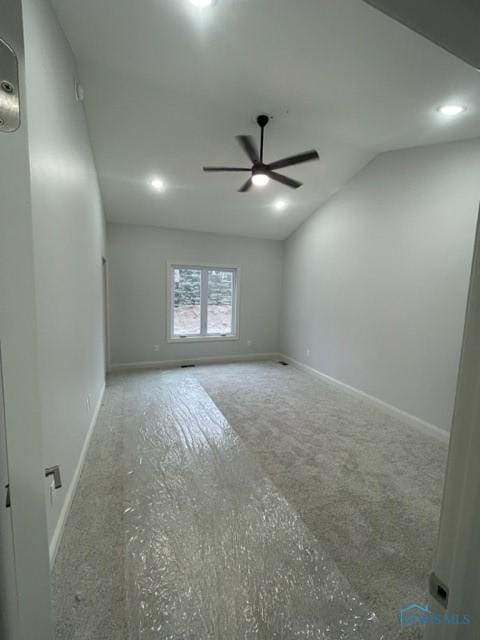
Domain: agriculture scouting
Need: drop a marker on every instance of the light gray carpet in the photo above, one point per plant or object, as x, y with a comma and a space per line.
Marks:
338, 499
214, 551
367, 485
88, 586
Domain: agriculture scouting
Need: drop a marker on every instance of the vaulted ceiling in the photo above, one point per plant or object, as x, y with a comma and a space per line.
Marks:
452, 24
168, 86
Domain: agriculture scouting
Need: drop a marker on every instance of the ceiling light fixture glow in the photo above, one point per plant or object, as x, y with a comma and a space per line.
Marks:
202, 4
451, 109
157, 184
279, 205
260, 179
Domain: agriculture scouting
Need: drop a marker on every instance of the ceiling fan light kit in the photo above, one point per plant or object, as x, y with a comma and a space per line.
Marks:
261, 172
259, 178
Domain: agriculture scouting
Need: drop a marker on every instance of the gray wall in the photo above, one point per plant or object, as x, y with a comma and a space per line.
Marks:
137, 257
68, 232
375, 282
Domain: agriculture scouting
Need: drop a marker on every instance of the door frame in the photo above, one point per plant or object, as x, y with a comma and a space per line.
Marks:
457, 559
18, 336
9, 618
106, 321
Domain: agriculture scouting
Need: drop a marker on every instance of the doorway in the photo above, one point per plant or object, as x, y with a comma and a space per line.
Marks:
106, 341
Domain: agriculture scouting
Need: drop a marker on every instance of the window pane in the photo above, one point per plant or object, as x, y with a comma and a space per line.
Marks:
220, 302
187, 284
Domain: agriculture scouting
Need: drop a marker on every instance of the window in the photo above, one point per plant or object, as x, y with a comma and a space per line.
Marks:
203, 302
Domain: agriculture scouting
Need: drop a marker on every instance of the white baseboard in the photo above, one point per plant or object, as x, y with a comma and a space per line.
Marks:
169, 364
57, 534
389, 408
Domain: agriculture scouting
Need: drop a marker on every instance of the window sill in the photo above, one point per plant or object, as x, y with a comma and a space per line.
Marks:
202, 338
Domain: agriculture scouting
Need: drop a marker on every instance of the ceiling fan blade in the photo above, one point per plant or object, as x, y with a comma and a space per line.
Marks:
308, 156
289, 182
248, 145
246, 186
225, 169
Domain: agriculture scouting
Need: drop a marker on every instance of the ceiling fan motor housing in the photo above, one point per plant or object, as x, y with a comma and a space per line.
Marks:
263, 120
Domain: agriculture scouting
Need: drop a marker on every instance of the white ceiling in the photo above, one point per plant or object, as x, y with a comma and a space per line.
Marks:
168, 86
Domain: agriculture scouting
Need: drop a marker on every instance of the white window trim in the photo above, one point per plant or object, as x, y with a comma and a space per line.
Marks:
235, 335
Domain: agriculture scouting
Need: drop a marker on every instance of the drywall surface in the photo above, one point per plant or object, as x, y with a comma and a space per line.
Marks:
137, 266
68, 238
375, 282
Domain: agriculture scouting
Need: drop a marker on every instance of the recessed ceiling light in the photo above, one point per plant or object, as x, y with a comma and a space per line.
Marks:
280, 205
260, 179
451, 109
202, 4
157, 184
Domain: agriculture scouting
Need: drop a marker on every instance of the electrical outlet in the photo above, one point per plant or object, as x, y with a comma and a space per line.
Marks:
79, 91
156, 347
308, 353
87, 403
249, 343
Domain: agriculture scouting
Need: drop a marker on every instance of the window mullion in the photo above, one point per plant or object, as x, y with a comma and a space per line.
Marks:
204, 302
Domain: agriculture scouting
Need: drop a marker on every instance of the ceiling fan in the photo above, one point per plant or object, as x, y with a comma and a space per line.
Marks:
262, 172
